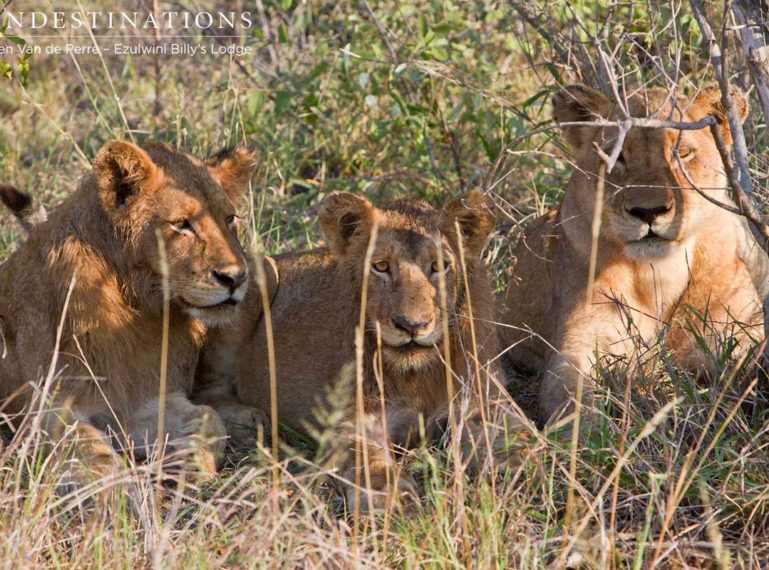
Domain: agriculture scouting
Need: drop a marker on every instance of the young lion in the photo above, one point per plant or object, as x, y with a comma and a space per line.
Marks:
316, 310
665, 255
94, 268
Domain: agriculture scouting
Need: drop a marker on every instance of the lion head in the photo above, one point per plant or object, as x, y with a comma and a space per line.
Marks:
416, 250
156, 195
653, 194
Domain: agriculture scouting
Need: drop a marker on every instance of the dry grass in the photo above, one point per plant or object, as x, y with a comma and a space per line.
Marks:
673, 473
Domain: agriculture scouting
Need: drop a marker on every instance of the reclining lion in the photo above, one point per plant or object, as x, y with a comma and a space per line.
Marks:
316, 309
81, 301
667, 257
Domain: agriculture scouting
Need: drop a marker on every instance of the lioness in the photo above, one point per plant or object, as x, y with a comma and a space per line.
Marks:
95, 269
316, 310
665, 253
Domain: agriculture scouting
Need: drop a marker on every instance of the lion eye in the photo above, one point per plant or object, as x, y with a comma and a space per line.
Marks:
183, 227
436, 267
233, 221
381, 266
685, 152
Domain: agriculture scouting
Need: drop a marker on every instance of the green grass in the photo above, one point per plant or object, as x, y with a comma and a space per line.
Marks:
407, 98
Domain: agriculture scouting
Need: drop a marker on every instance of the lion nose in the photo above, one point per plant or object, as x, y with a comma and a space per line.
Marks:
232, 277
410, 327
648, 215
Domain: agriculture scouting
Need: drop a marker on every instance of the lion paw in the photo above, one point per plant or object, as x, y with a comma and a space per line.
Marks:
243, 423
93, 465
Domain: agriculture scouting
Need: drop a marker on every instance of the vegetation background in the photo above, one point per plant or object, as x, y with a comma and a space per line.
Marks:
423, 98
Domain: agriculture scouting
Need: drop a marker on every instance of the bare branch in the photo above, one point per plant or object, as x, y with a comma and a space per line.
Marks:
755, 43
718, 60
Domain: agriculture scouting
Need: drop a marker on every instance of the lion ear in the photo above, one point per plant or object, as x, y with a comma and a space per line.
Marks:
233, 168
123, 172
577, 104
342, 216
708, 102
474, 214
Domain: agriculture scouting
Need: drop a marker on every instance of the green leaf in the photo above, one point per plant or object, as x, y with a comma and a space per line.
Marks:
22, 70
17, 40
439, 53
283, 33
282, 101
535, 98
255, 103
286, 4
423, 26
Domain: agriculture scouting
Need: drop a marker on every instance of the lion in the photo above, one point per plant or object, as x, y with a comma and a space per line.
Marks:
82, 302
667, 256
315, 310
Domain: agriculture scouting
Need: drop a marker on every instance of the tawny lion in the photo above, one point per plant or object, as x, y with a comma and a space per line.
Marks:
81, 301
667, 256
315, 312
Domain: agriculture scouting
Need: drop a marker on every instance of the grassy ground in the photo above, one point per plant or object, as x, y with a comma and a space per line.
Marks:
387, 98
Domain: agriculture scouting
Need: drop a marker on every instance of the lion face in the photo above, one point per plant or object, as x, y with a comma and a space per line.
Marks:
652, 202
178, 217
404, 292
415, 254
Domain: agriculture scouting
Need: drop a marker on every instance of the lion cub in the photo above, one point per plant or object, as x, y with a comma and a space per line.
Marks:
81, 301
316, 309
667, 257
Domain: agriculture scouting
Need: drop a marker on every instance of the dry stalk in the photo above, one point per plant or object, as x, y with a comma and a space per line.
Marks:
479, 388
261, 283
163, 383
595, 229
361, 439
379, 375
454, 443
482, 401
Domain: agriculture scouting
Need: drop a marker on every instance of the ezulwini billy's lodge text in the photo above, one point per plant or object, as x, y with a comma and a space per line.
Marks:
175, 48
